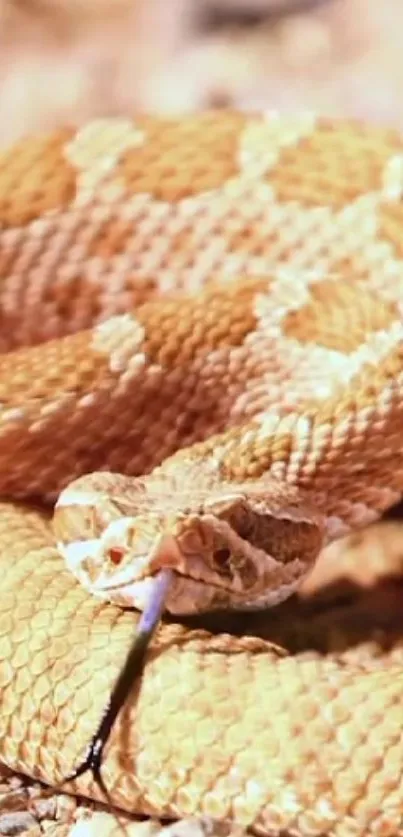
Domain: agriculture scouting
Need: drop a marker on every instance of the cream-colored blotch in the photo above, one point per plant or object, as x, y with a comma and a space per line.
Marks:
121, 339
94, 152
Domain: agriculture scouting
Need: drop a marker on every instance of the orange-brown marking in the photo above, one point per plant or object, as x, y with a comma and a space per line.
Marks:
181, 159
220, 316
323, 320
39, 374
332, 167
35, 177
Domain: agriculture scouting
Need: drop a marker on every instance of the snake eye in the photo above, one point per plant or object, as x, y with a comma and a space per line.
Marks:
115, 555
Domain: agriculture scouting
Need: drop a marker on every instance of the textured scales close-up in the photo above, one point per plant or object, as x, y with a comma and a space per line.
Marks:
209, 308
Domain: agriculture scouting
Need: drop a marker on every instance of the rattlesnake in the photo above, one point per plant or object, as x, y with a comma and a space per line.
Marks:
219, 293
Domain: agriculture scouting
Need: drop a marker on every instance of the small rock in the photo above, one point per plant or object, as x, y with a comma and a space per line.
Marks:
16, 823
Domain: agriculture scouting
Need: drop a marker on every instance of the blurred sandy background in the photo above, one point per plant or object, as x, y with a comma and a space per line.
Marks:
66, 60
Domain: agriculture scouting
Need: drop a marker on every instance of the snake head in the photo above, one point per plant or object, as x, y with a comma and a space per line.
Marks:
230, 545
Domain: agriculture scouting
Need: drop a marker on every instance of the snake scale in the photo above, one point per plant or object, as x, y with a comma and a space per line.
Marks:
212, 304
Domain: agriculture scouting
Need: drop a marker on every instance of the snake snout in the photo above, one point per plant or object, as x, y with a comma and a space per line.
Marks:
119, 560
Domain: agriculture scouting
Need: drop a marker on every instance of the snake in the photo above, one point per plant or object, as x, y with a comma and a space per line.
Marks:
201, 373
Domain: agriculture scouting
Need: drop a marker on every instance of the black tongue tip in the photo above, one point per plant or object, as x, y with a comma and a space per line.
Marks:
132, 668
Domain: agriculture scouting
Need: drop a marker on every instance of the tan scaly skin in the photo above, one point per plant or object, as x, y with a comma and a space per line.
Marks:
220, 294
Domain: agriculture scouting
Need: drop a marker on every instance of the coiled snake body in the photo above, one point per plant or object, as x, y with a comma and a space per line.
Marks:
221, 296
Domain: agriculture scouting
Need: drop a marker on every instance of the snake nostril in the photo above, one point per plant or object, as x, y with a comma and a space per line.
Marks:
222, 558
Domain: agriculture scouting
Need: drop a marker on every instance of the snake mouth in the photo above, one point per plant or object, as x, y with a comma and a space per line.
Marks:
197, 583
